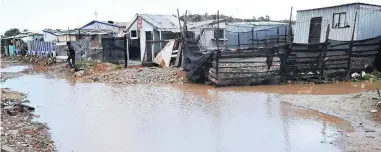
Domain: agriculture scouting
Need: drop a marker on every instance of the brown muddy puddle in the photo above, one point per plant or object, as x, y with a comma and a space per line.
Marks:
171, 118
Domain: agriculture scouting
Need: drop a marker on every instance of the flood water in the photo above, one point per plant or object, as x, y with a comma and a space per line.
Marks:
170, 118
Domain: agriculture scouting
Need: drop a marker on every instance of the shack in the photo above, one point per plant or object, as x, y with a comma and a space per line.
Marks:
154, 27
230, 35
117, 27
312, 24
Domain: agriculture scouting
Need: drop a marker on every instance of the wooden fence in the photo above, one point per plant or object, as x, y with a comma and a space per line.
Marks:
330, 60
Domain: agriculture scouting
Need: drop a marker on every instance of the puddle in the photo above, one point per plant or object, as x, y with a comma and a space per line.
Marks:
315, 89
15, 68
146, 118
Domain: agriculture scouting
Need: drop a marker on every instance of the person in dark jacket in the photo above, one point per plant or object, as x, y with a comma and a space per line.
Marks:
71, 55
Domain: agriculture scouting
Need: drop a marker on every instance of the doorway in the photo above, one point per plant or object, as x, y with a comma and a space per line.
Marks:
315, 30
149, 46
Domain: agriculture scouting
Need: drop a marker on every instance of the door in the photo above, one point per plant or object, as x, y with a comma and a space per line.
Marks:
149, 46
315, 30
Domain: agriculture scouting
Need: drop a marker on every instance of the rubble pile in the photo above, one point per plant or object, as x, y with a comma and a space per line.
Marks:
140, 75
39, 60
10, 75
18, 131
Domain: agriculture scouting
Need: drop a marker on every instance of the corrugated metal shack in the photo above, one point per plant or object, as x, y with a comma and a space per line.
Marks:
311, 24
154, 27
238, 34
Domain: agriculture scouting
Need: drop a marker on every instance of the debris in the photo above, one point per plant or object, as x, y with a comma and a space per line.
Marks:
363, 74
369, 137
5, 148
374, 111
370, 131
19, 131
355, 75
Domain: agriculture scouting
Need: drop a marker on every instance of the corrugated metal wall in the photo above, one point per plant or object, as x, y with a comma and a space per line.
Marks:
303, 19
369, 22
245, 35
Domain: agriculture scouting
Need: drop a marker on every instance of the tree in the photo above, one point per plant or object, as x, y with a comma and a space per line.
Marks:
254, 18
12, 32
267, 18
25, 30
261, 18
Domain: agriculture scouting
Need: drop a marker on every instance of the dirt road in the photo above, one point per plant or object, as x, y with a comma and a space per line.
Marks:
353, 107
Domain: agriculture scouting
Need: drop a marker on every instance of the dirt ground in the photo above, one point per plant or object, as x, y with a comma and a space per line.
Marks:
355, 108
18, 131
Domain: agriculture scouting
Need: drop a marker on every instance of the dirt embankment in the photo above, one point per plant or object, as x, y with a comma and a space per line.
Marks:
353, 107
18, 131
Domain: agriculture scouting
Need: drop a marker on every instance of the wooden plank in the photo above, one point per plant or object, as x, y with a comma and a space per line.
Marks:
337, 50
356, 44
247, 72
244, 61
244, 66
179, 55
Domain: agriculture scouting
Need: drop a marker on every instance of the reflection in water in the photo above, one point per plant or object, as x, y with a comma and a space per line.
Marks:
323, 89
18, 68
103, 117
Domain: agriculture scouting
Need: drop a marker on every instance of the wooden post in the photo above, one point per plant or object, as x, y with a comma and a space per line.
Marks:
265, 39
218, 49
290, 25
161, 45
351, 46
323, 53
252, 38
239, 42
277, 33
256, 35
127, 50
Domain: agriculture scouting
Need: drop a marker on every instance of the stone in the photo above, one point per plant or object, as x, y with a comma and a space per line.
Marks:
13, 132
374, 111
5, 148
355, 75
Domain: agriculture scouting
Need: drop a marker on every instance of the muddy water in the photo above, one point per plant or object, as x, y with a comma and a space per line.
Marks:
100, 117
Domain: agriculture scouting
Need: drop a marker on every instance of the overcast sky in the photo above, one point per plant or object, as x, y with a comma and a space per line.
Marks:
36, 15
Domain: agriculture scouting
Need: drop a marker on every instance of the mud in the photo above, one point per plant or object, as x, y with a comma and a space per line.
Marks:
353, 107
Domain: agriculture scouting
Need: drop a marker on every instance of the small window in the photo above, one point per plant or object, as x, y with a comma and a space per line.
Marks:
134, 33
219, 34
339, 20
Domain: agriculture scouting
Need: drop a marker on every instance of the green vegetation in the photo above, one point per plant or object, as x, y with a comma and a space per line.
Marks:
84, 64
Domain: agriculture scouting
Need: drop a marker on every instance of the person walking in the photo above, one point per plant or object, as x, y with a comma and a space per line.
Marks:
71, 55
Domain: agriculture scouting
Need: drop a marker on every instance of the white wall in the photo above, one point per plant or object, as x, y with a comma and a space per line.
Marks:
145, 27
369, 22
303, 18
49, 37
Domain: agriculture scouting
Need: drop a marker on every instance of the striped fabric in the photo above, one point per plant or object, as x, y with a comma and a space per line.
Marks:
37, 47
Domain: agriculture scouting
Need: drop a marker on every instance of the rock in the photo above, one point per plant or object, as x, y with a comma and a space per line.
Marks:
355, 75
13, 132
5, 148
374, 111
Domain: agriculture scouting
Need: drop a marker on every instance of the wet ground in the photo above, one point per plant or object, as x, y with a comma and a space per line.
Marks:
105, 117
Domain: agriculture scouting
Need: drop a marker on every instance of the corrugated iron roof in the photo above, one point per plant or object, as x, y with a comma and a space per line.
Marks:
161, 22
77, 32
340, 6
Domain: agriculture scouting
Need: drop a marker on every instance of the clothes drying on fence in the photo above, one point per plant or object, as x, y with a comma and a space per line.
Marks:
37, 47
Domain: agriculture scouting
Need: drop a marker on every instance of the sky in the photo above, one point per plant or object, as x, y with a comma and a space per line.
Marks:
36, 15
